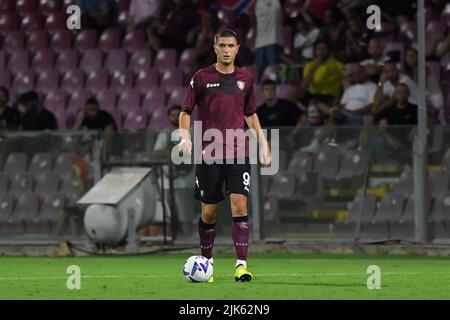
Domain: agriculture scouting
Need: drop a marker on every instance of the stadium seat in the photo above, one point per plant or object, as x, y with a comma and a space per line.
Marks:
86, 40
4, 183
61, 40
438, 183
440, 216
7, 202
140, 60
405, 184
390, 209
47, 80
403, 226
7, 6
56, 21
155, 98
353, 167
14, 40
63, 165
37, 40
46, 183
65, 118
109, 40
135, 119
116, 60
41, 163
31, 22
176, 96
159, 121
97, 80
129, 98
66, 60
134, 40
327, 163
51, 210
9, 21
166, 58
21, 183
107, 99
171, 78
49, 6
185, 60
118, 117
122, 79
24, 80
91, 60
19, 60
408, 31
227, 18
5, 78
43, 60
146, 79
367, 214
78, 99
282, 186
72, 80
72, 189
27, 6
301, 162
445, 163
123, 17
26, 210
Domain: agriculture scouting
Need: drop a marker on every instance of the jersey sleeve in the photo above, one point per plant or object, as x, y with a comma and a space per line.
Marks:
192, 98
250, 102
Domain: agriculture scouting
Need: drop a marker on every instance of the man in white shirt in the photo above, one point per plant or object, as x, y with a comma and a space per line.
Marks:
269, 38
374, 64
389, 79
305, 38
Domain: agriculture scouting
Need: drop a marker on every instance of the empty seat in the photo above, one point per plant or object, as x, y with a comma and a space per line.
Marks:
71, 187
438, 183
165, 58
301, 162
171, 78
116, 60
26, 210
73, 80
61, 40
146, 80
97, 80
7, 6
282, 186
56, 21
135, 119
9, 21
2, 60
109, 40
91, 60
47, 80
4, 183
32, 21
24, 80
327, 163
48, 6
37, 40
440, 216
107, 99
19, 60
403, 226
13, 41
67, 59
353, 167
65, 119
7, 202
40, 163
155, 98
390, 208
129, 98
51, 210
63, 165
177, 95
122, 79
86, 40
78, 99
367, 212
55, 100
21, 183
134, 40
117, 115
185, 60
159, 121
405, 184
46, 183
308, 188
43, 60
140, 60
27, 6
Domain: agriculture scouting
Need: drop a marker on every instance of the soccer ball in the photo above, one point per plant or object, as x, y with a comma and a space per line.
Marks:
197, 269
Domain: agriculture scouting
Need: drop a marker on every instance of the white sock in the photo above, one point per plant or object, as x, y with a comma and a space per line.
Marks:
243, 262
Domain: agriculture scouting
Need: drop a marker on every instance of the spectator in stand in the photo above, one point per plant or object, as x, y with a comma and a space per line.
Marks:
10, 118
434, 93
334, 31
390, 78
402, 112
98, 14
143, 13
357, 40
374, 64
269, 38
36, 117
276, 112
173, 31
317, 8
93, 118
201, 37
305, 37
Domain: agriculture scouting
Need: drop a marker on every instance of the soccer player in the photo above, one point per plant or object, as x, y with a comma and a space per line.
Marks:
224, 97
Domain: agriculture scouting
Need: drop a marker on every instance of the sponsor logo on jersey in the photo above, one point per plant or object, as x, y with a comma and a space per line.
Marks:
212, 85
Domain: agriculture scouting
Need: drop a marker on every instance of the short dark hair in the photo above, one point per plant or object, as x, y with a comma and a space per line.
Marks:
5, 91
268, 82
401, 84
29, 96
93, 101
173, 108
225, 33
324, 41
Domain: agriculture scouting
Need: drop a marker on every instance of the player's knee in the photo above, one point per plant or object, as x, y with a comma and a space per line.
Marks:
209, 215
239, 208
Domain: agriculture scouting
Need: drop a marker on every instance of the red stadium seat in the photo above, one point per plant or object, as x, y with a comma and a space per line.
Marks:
159, 121
2, 60
72, 80
154, 99
107, 99
176, 97
91, 60
67, 60
19, 60
37, 40
140, 60
55, 100
24, 80
78, 99
171, 78
97, 80
135, 119
166, 58
31, 22
61, 40
49, 6
129, 98
43, 59
47, 80
5, 78
7, 6
86, 40
14, 40
118, 116
109, 40
27, 6
116, 60
134, 40
56, 21
122, 79
146, 79
185, 58
9, 21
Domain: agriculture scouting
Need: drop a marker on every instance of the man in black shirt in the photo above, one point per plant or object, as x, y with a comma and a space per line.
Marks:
36, 117
276, 112
92, 118
10, 118
403, 112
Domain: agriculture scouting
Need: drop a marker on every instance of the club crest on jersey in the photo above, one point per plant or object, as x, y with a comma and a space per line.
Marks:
241, 85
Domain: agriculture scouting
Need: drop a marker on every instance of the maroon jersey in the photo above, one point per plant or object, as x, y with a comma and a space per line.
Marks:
222, 101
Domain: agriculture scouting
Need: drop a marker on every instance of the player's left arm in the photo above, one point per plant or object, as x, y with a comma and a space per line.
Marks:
253, 123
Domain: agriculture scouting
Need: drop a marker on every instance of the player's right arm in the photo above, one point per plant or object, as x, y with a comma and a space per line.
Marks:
184, 124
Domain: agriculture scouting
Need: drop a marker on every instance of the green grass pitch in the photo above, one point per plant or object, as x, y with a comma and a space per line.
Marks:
276, 276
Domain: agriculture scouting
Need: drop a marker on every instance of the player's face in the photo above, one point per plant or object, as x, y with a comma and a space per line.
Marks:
174, 115
226, 50
269, 92
91, 111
